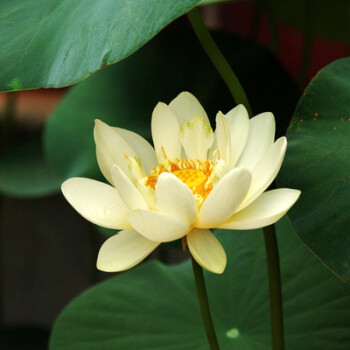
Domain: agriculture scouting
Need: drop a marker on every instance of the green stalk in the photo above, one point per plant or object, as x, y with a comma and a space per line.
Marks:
6, 131
274, 273
307, 49
271, 17
204, 305
217, 58
254, 25
8, 120
229, 77
1, 268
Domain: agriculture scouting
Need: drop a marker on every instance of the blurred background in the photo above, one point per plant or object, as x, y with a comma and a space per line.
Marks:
47, 251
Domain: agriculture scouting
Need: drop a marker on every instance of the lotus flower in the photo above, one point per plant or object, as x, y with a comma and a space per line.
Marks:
193, 180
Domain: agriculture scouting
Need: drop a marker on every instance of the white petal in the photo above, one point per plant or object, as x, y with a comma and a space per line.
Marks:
264, 211
111, 149
156, 226
266, 171
207, 250
173, 197
142, 148
196, 137
225, 198
127, 190
123, 251
238, 122
260, 138
165, 133
97, 202
148, 195
186, 106
223, 138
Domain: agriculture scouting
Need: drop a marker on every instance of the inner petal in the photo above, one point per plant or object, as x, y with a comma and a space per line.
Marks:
196, 137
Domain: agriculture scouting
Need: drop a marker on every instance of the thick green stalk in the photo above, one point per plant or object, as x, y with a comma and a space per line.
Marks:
255, 23
204, 305
8, 120
1, 267
307, 49
274, 273
6, 125
227, 74
271, 17
217, 58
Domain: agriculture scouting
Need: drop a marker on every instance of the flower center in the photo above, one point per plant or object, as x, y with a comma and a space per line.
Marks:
193, 178
197, 175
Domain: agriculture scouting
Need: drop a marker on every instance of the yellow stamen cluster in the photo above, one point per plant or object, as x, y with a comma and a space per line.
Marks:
197, 175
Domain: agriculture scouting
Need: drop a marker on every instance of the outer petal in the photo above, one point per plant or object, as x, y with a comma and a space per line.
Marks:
264, 211
156, 226
225, 198
207, 250
142, 147
123, 251
97, 202
266, 171
127, 190
111, 149
260, 138
165, 132
173, 197
196, 137
238, 122
186, 106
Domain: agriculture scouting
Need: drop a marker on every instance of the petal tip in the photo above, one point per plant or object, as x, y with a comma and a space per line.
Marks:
99, 122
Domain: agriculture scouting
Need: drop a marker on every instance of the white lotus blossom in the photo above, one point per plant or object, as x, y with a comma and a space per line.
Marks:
193, 180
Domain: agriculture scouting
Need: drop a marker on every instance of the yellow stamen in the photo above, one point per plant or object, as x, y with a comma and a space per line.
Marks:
197, 175
193, 178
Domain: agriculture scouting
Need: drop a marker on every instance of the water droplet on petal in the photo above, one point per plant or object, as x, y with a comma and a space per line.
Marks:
107, 212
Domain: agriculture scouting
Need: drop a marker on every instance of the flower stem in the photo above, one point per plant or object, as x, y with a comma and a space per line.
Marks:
7, 121
204, 305
276, 306
307, 50
239, 96
271, 17
217, 58
6, 126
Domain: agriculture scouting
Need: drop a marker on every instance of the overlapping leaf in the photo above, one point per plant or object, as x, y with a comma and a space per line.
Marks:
318, 163
155, 307
60, 42
24, 172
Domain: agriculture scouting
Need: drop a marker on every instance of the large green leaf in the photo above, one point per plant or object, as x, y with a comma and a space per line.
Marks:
155, 307
60, 42
318, 163
25, 173
125, 94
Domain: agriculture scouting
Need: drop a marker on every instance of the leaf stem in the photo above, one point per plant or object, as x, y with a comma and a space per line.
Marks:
255, 23
271, 17
217, 58
307, 49
204, 305
275, 291
271, 247
8, 120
